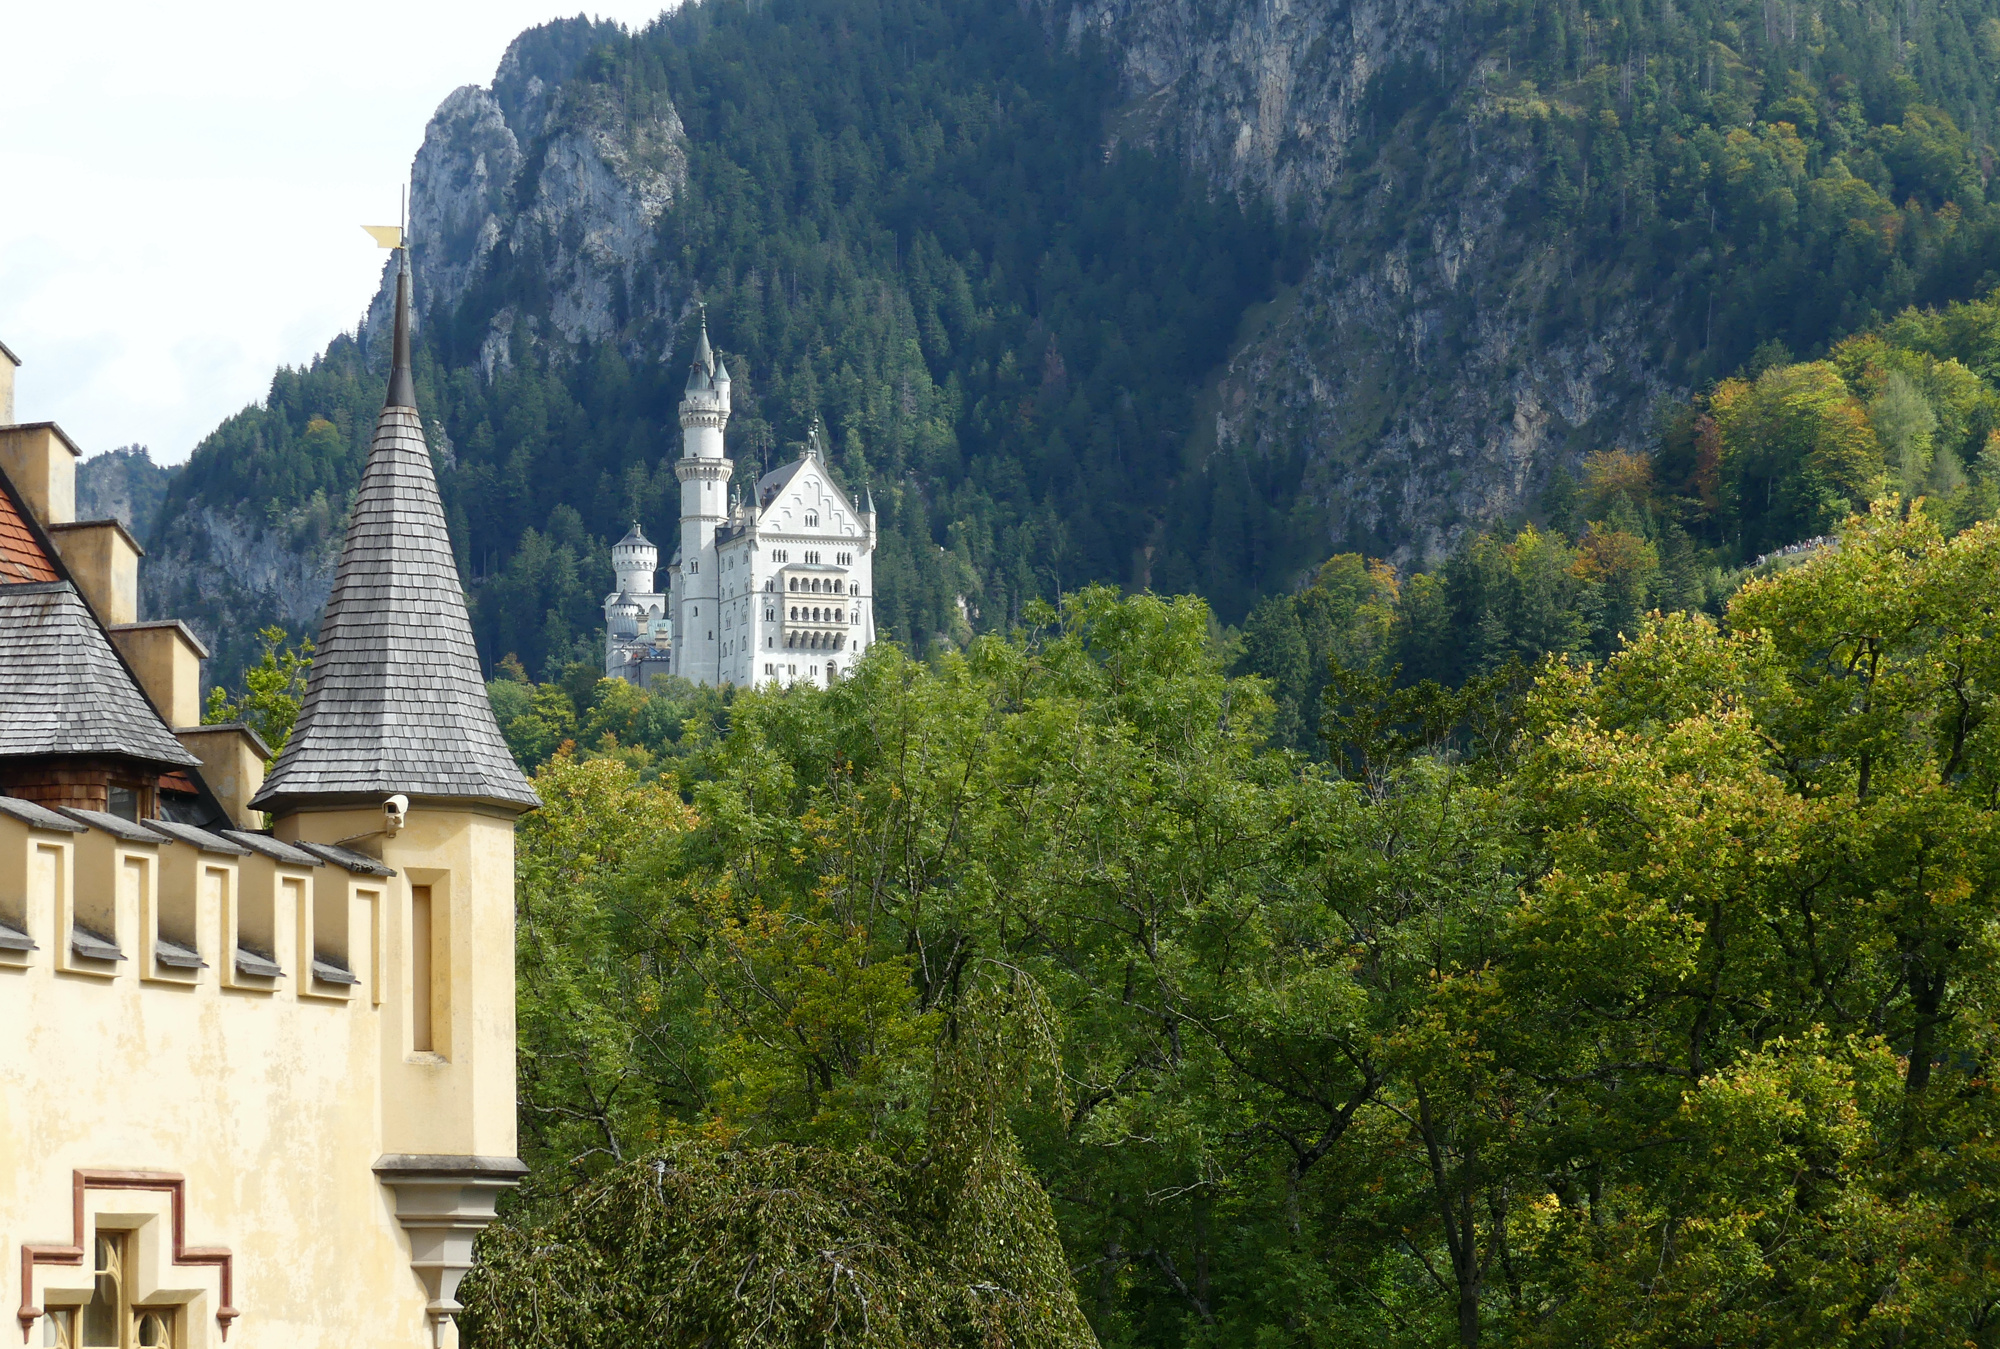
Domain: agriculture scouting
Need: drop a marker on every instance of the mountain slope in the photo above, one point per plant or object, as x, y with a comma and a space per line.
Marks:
1168, 295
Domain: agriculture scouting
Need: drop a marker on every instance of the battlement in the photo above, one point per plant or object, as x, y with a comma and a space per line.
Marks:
161, 905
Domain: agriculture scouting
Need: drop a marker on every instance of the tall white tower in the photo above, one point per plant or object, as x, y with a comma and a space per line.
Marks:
704, 474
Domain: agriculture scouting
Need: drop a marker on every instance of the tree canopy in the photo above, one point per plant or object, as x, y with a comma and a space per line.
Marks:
1637, 999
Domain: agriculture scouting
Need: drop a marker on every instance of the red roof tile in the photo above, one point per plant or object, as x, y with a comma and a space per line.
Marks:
21, 559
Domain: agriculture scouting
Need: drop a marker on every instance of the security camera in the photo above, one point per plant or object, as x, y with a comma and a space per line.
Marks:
393, 811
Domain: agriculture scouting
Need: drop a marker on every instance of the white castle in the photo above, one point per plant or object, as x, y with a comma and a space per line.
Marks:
776, 589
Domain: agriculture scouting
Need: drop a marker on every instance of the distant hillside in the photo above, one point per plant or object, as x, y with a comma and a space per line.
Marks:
123, 484
1110, 290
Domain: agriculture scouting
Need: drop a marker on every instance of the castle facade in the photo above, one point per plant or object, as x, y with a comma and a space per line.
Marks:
776, 586
257, 1070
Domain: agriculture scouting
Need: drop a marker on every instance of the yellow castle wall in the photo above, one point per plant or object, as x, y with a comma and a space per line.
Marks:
275, 1105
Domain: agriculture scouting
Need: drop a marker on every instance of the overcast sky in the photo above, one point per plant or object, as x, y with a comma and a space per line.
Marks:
181, 187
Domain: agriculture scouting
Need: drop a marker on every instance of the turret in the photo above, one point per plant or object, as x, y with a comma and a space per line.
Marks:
624, 615
635, 560
705, 406
396, 755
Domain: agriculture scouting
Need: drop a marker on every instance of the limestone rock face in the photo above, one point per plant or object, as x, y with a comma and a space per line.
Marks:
600, 175
123, 485
226, 573
1413, 363
605, 177
460, 184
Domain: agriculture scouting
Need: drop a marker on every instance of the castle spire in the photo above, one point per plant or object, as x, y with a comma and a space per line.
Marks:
702, 376
402, 385
395, 703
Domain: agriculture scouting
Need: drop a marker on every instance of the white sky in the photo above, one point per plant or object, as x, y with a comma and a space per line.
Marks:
181, 186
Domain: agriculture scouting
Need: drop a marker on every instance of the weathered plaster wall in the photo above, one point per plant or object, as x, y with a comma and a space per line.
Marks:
274, 1105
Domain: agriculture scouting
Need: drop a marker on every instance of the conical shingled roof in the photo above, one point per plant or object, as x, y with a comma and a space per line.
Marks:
395, 702
62, 687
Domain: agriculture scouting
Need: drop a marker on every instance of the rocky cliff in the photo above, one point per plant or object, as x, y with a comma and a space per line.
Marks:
1412, 363
123, 485
572, 180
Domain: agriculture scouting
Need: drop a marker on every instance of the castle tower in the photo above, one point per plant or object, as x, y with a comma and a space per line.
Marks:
396, 756
635, 560
704, 472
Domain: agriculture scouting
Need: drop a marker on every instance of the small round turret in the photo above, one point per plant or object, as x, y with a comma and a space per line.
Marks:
635, 559
623, 616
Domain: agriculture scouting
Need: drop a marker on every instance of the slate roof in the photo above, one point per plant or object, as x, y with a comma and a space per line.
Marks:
359, 863
38, 816
63, 690
395, 702
200, 839
774, 482
266, 846
115, 825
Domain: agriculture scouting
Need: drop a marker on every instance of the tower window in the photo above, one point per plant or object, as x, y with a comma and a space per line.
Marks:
423, 985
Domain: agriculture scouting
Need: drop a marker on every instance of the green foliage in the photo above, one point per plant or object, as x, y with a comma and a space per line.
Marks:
274, 690
764, 1248
1640, 1002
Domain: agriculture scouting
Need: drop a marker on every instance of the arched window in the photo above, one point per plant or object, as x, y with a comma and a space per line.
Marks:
812, 520
795, 583
795, 613
838, 616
